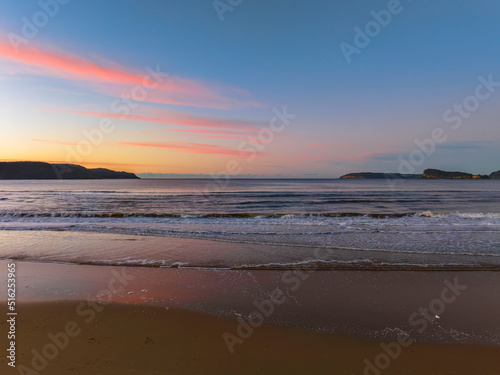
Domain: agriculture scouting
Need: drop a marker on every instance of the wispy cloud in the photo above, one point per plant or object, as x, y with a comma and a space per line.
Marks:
109, 78
213, 134
166, 117
209, 136
205, 131
193, 148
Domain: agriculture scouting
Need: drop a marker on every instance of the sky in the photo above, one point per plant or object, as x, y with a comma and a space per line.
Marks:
306, 89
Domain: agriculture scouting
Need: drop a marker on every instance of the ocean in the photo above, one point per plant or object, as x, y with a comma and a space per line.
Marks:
271, 223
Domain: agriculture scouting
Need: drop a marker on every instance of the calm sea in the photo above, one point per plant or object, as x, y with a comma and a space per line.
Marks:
457, 221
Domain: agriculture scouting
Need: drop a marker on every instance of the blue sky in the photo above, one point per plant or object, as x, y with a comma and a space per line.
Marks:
227, 77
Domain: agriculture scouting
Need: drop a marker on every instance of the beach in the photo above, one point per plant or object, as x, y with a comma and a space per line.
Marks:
137, 339
134, 320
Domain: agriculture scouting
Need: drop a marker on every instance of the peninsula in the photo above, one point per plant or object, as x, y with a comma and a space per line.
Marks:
34, 170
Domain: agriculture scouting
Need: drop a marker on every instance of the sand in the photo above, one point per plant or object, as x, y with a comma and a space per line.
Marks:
174, 321
138, 339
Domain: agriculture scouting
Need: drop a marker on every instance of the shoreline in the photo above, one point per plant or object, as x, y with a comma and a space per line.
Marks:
285, 267
153, 251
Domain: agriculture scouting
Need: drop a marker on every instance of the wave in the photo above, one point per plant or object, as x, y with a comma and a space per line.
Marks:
465, 215
473, 236
118, 215
243, 215
305, 265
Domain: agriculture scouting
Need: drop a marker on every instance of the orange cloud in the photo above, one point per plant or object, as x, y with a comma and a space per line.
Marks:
110, 78
194, 148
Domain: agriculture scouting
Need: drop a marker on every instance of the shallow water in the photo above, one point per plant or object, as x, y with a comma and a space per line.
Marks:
367, 222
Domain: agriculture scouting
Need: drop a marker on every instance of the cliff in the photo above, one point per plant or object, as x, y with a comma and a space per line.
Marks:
31, 170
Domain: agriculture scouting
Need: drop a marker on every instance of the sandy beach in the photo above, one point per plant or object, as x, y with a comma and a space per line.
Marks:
78, 319
138, 339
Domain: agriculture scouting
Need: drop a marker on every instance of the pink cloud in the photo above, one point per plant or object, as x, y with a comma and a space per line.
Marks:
209, 131
193, 148
63, 64
172, 118
111, 78
212, 134
209, 136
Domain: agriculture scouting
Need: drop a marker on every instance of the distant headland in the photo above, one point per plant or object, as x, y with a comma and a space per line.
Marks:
379, 175
35, 170
428, 174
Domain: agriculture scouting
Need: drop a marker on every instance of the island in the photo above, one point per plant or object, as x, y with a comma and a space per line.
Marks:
436, 173
35, 170
429, 174
379, 175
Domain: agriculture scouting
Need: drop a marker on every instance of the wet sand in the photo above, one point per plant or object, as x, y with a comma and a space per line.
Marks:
138, 339
133, 320
114, 249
